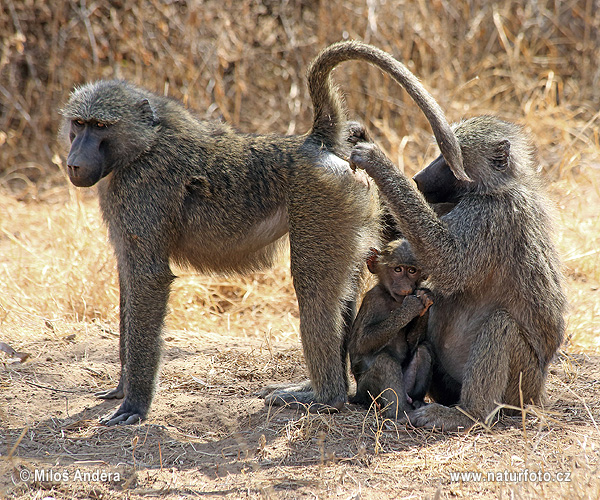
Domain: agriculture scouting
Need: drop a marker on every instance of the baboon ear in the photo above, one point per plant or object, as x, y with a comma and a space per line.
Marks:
372, 260
146, 112
501, 155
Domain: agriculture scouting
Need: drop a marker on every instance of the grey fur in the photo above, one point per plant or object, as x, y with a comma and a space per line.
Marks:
174, 188
498, 300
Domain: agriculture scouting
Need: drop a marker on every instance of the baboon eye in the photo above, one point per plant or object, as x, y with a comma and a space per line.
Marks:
412, 270
78, 123
398, 269
101, 125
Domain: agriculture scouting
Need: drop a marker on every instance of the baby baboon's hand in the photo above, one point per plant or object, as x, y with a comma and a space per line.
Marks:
426, 298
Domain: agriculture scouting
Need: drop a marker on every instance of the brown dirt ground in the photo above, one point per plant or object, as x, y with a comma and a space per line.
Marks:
209, 435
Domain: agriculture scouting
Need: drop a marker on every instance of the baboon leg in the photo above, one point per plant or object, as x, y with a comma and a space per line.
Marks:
486, 377
321, 333
330, 217
384, 384
527, 378
417, 375
348, 315
145, 302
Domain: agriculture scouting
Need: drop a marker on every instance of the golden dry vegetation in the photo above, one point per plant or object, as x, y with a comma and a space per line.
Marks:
244, 62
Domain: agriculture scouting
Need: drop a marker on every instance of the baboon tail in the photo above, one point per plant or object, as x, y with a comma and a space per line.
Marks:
328, 106
330, 113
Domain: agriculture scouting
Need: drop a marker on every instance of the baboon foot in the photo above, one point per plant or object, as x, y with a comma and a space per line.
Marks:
436, 416
302, 399
127, 414
116, 393
285, 386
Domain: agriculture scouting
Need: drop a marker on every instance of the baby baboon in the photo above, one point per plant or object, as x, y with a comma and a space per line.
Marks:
176, 188
388, 355
497, 319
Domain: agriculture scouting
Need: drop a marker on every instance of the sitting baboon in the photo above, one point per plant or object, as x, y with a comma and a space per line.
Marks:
497, 320
389, 357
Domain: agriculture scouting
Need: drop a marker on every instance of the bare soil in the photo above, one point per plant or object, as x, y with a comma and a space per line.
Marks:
209, 435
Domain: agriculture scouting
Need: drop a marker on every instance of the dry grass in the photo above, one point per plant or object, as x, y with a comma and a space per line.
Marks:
207, 435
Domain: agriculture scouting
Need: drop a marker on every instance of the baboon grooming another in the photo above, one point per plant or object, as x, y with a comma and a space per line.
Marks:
497, 319
388, 355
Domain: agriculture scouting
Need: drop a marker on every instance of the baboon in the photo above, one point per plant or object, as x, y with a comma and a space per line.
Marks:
388, 355
174, 188
497, 319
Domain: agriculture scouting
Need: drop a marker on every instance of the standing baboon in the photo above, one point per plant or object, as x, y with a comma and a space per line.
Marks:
388, 355
175, 188
497, 319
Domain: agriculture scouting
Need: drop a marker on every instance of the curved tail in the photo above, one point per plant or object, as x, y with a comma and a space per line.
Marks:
329, 111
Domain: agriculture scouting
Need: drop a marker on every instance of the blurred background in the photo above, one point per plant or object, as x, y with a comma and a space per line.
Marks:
534, 62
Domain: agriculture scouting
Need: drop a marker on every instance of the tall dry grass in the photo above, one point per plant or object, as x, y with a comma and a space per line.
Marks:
535, 62
245, 61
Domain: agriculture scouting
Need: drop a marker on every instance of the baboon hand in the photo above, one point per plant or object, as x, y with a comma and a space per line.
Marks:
426, 299
367, 156
127, 414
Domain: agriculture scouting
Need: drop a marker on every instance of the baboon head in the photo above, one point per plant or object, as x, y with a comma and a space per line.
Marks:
109, 123
495, 153
396, 268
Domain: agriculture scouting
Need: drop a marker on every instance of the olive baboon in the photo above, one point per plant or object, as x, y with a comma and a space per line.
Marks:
175, 188
388, 355
497, 319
